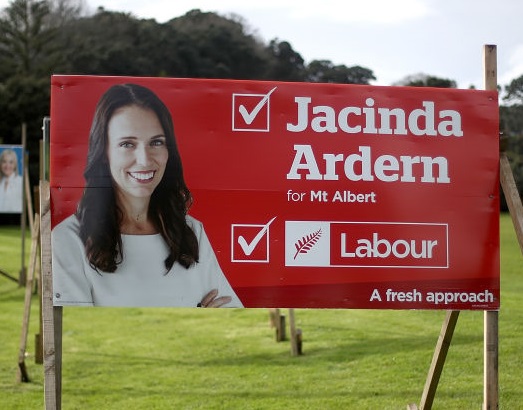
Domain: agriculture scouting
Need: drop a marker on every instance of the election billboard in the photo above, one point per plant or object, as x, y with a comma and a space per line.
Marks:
297, 194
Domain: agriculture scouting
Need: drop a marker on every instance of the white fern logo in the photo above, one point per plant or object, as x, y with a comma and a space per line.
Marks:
305, 244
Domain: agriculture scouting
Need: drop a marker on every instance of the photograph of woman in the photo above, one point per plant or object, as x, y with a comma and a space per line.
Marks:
11, 182
131, 241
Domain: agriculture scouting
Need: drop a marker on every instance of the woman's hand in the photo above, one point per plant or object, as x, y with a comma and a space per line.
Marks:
211, 300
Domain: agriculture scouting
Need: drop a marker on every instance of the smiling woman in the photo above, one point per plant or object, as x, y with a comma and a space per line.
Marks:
137, 153
131, 241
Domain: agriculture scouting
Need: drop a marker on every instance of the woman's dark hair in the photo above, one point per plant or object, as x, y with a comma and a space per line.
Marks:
98, 211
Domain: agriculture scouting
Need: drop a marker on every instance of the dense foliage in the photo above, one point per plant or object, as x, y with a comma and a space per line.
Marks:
42, 37
511, 123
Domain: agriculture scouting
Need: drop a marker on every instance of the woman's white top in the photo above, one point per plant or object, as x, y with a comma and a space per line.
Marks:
141, 279
11, 194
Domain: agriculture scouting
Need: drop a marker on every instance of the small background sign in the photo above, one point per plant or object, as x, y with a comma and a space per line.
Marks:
11, 178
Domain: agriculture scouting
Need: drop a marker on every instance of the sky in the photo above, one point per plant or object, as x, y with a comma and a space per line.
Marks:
393, 38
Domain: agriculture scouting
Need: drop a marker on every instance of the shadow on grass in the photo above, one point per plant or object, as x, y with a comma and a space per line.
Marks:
252, 394
334, 353
358, 349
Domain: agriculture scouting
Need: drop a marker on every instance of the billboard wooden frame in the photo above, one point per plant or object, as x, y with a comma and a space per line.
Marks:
52, 315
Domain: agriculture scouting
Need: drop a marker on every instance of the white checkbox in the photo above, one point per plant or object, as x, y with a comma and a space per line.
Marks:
251, 112
242, 249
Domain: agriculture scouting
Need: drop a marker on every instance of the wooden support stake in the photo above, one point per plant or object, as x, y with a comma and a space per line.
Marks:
39, 348
296, 340
438, 359
22, 374
280, 329
511, 193
491, 336
277, 321
39, 341
299, 341
28, 201
490, 382
51, 316
22, 277
39, 337
274, 317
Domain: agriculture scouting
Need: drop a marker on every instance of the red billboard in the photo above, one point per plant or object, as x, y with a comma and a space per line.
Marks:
303, 195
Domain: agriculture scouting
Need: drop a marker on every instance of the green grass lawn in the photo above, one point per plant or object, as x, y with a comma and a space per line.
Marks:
228, 359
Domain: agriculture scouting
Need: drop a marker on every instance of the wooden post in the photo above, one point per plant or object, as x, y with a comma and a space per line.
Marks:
490, 364
511, 193
280, 329
438, 359
274, 317
296, 336
277, 320
39, 337
51, 316
39, 341
28, 202
22, 374
23, 216
490, 382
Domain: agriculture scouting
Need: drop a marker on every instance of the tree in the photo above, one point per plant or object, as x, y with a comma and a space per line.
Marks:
514, 90
324, 71
30, 50
114, 43
511, 127
214, 46
286, 63
425, 80
29, 33
65, 11
24, 35
27, 98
